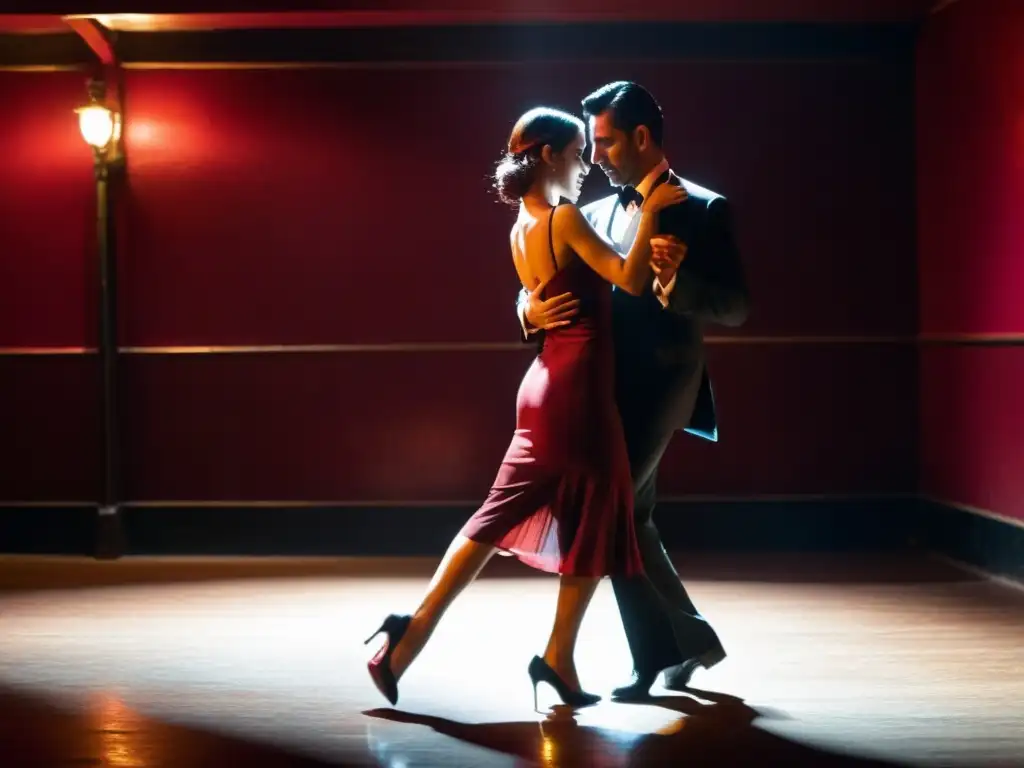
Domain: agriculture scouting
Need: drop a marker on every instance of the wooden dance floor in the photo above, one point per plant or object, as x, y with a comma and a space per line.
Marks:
250, 663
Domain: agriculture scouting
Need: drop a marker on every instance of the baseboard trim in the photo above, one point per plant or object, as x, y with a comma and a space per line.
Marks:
982, 541
981, 573
807, 524
794, 524
979, 511
48, 528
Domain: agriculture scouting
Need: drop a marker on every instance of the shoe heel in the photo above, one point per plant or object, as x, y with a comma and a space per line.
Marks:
377, 632
541, 672
535, 677
392, 625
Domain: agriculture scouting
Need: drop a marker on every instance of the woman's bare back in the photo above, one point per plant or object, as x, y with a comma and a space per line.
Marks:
534, 251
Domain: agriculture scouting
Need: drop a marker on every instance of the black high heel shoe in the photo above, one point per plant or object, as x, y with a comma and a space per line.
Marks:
379, 667
541, 672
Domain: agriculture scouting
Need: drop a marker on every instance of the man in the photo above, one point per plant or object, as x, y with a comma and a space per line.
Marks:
661, 381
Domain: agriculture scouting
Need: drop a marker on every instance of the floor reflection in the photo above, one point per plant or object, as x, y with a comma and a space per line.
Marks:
712, 728
269, 671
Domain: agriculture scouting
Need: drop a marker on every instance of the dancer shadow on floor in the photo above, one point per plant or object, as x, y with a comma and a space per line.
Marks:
719, 732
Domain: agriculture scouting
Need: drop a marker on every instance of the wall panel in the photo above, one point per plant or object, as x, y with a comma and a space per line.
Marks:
433, 427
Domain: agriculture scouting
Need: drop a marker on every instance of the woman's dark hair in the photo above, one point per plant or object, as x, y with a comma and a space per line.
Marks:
540, 127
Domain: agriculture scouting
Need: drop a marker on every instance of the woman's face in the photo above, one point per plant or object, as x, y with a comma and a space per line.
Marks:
569, 169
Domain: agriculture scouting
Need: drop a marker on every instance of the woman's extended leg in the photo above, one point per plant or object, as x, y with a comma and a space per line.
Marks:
458, 568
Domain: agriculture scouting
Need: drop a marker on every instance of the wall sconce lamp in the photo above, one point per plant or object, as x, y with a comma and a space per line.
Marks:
100, 125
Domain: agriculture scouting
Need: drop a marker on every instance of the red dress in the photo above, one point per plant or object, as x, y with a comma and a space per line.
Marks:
562, 501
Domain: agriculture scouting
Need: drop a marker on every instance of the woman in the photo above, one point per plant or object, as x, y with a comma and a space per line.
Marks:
562, 501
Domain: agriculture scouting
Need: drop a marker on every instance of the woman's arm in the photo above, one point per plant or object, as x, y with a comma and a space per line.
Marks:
632, 273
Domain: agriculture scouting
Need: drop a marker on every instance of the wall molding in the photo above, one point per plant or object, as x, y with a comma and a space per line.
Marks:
418, 346
420, 66
45, 351
484, 41
450, 503
473, 346
43, 68
481, 42
972, 339
978, 339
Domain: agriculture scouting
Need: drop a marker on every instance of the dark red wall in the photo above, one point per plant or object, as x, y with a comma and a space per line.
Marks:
350, 207
971, 235
49, 404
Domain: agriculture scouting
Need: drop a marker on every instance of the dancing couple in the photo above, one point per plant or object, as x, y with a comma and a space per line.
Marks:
620, 368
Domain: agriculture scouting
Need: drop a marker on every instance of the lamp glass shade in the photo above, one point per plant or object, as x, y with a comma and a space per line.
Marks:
97, 124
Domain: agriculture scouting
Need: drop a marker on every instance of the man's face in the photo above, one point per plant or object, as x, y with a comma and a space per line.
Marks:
614, 151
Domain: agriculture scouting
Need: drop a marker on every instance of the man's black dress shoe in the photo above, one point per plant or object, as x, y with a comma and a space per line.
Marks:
638, 689
677, 678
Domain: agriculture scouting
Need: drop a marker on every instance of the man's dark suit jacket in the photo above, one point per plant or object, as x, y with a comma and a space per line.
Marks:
660, 350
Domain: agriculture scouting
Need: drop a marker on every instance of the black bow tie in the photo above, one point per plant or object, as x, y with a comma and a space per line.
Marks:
627, 195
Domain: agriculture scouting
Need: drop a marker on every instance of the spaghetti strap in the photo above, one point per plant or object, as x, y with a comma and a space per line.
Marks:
551, 237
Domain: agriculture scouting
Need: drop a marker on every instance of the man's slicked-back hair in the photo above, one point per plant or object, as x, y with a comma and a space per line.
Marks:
631, 106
